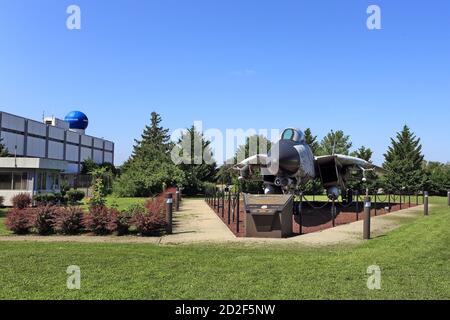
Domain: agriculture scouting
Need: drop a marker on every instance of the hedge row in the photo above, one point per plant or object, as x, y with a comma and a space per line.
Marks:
48, 219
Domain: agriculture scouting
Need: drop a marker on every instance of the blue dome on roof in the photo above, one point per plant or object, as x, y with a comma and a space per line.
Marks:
77, 120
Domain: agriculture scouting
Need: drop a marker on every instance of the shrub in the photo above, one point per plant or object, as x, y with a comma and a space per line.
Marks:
123, 222
43, 199
148, 224
135, 208
21, 201
74, 196
153, 220
69, 220
155, 205
44, 218
2, 201
101, 220
19, 220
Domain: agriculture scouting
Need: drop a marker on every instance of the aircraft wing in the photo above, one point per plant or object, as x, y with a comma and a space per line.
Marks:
349, 161
258, 160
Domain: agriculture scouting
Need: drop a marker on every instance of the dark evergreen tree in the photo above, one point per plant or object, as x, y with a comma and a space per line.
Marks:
336, 142
256, 144
404, 163
311, 140
437, 178
355, 181
198, 163
363, 153
150, 167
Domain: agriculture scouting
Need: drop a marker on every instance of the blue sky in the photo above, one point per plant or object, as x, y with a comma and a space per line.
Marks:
233, 64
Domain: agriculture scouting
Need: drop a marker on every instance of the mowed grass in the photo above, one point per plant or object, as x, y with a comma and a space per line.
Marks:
414, 261
3, 230
119, 203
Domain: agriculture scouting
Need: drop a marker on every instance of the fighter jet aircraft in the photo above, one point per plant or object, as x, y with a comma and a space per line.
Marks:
291, 163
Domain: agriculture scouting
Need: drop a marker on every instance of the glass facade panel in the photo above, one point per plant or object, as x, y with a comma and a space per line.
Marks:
20, 181
5, 180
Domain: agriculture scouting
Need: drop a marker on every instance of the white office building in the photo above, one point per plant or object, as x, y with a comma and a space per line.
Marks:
42, 151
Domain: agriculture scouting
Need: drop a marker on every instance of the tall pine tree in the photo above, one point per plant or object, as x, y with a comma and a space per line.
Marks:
404, 163
150, 166
198, 165
311, 140
336, 142
355, 178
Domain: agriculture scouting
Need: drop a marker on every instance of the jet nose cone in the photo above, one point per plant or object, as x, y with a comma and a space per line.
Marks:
284, 158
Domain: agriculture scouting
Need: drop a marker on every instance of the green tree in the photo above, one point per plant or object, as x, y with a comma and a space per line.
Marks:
336, 142
437, 178
256, 144
197, 163
311, 140
154, 136
226, 174
404, 163
87, 166
363, 153
355, 178
150, 166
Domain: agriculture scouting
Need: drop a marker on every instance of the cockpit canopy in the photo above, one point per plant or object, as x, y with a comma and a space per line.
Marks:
292, 134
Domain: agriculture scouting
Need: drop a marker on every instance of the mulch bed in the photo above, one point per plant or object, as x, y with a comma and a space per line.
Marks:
316, 216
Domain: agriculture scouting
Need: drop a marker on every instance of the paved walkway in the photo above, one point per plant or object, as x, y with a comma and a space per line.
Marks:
196, 222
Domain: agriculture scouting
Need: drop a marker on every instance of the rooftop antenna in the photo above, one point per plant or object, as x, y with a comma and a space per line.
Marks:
334, 142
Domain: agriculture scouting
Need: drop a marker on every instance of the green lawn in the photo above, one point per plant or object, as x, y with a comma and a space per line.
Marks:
3, 230
120, 203
414, 261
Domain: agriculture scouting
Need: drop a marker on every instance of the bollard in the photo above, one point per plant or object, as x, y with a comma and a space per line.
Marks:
333, 213
367, 207
178, 200
229, 208
448, 197
357, 206
223, 204
375, 204
425, 203
237, 212
169, 212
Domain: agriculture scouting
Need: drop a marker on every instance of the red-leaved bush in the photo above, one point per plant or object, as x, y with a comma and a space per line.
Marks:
19, 221
21, 201
44, 218
101, 220
69, 220
150, 222
154, 205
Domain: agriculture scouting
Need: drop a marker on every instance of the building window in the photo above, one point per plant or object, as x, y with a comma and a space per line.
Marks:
55, 181
5, 180
42, 181
20, 181
13, 181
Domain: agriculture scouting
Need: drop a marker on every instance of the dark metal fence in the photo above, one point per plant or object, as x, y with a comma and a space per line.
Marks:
229, 207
